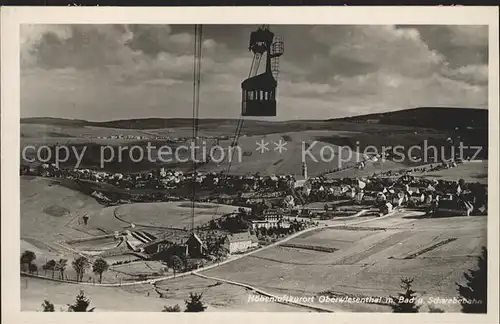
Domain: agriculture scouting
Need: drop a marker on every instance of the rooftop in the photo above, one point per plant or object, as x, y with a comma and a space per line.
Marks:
242, 237
264, 81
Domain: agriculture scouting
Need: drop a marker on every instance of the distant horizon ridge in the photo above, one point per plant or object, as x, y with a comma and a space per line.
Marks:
266, 120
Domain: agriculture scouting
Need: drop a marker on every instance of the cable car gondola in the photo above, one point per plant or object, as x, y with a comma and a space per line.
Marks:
259, 91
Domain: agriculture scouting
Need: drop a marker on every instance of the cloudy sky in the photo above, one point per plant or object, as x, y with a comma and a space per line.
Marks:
105, 72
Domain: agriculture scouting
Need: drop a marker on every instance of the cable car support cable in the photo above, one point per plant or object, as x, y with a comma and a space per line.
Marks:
196, 109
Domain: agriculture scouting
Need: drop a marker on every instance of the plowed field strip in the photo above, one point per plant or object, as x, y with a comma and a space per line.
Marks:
287, 262
429, 248
378, 247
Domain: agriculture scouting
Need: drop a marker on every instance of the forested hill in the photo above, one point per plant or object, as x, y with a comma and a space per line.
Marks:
424, 117
428, 117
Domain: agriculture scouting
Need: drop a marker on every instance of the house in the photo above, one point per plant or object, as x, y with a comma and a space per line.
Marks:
454, 207
256, 224
272, 218
240, 242
359, 196
165, 250
336, 191
289, 201
181, 245
386, 208
272, 215
274, 223
195, 246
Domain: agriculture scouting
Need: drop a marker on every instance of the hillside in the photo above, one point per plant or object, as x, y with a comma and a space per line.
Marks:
423, 117
47, 207
142, 123
428, 117
418, 126
55, 121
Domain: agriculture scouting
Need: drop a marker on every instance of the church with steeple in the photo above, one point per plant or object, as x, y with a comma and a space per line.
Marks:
302, 179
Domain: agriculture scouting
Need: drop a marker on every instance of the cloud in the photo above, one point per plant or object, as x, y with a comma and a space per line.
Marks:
377, 92
460, 45
474, 74
471, 36
74, 46
120, 71
373, 48
34, 33
155, 39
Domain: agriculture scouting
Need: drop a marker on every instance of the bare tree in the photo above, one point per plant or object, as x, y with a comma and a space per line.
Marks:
99, 266
27, 258
61, 267
80, 265
51, 266
33, 268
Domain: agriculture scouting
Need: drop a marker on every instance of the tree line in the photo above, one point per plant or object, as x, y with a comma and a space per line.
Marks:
82, 304
80, 265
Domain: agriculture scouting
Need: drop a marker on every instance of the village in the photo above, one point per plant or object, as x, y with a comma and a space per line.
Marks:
266, 208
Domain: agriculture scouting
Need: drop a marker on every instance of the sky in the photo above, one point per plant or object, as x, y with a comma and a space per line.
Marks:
107, 72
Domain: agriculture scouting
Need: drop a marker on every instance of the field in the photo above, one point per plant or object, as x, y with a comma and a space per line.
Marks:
153, 216
298, 137
171, 214
369, 169
405, 128
69, 133
370, 260
290, 159
47, 209
469, 171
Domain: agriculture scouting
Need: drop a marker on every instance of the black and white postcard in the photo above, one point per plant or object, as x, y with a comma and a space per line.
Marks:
332, 160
